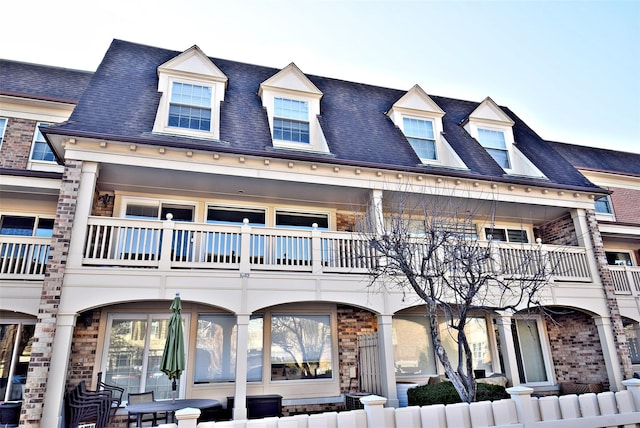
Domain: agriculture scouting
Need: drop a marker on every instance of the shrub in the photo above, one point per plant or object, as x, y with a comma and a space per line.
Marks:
445, 393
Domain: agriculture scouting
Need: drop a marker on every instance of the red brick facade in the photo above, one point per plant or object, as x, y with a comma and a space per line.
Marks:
626, 205
560, 231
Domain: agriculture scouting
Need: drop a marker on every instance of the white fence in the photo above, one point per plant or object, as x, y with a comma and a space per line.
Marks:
607, 409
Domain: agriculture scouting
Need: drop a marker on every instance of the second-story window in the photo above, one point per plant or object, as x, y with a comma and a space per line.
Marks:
420, 135
41, 150
26, 226
495, 144
291, 120
507, 235
603, 205
190, 107
3, 127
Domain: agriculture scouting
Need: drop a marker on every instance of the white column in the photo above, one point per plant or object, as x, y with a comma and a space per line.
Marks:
61, 349
509, 357
376, 215
84, 204
584, 240
240, 395
387, 360
608, 344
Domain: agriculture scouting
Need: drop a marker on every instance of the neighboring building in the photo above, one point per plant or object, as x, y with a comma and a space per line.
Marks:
618, 215
239, 186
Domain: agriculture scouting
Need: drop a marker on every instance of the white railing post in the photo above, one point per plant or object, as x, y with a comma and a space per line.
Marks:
521, 396
374, 408
316, 249
245, 247
187, 418
167, 240
633, 385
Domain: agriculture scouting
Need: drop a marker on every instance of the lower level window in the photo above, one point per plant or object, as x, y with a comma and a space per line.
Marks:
134, 349
412, 349
532, 366
216, 349
301, 347
15, 351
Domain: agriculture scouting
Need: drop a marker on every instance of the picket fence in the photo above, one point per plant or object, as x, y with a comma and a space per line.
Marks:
522, 410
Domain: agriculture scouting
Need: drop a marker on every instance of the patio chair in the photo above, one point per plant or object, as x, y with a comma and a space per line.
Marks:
145, 397
116, 395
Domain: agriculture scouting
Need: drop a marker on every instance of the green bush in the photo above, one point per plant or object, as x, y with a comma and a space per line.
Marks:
445, 393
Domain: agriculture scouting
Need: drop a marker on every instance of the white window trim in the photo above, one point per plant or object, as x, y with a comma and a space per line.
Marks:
436, 132
546, 350
165, 86
317, 141
605, 216
4, 129
41, 165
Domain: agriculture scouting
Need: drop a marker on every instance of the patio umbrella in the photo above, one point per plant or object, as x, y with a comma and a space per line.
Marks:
172, 362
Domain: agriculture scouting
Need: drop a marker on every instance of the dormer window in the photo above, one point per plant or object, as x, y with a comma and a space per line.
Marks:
420, 135
493, 141
291, 120
292, 104
420, 120
192, 88
493, 130
190, 106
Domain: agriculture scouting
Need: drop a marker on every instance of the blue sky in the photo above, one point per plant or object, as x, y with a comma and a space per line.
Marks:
570, 69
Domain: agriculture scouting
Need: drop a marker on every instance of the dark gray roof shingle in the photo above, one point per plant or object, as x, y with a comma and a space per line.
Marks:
122, 98
42, 82
599, 159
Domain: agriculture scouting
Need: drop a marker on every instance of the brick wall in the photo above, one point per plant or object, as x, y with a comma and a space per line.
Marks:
560, 231
625, 204
576, 349
345, 222
619, 336
16, 145
83, 350
50, 297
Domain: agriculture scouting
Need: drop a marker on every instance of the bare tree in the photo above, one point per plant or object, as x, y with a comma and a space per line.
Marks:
430, 246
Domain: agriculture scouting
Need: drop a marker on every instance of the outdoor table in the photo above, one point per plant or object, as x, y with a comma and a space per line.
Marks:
170, 406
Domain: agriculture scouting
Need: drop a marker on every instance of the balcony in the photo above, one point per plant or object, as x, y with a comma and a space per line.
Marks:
23, 257
144, 244
626, 279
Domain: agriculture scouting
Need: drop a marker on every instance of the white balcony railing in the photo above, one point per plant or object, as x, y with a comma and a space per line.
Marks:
626, 279
142, 243
23, 257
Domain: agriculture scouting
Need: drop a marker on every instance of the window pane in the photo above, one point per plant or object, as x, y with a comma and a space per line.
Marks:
425, 149
412, 347
618, 258
418, 128
501, 157
516, 235
45, 228
301, 221
496, 234
301, 347
216, 349
149, 212
41, 150
190, 106
478, 338
14, 225
602, 205
492, 139
531, 351
235, 216
3, 127
9, 335
291, 109
288, 130
133, 356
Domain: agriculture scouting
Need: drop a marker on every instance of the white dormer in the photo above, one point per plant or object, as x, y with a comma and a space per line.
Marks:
493, 129
292, 102
192, 89
420, 119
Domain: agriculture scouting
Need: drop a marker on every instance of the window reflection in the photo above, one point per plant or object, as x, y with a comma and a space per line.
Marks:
13, 372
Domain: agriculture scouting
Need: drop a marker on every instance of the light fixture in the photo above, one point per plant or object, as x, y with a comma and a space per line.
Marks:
105, 199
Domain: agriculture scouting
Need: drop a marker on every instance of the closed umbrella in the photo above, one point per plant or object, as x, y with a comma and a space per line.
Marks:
172, 362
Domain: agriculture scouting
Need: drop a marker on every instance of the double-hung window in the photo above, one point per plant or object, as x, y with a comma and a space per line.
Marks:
494, 142
41, 150
291, 120
190, 106
420, 135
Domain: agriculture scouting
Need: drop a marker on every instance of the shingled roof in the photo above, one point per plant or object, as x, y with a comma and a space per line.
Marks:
121, 100
597, 159
42, 82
